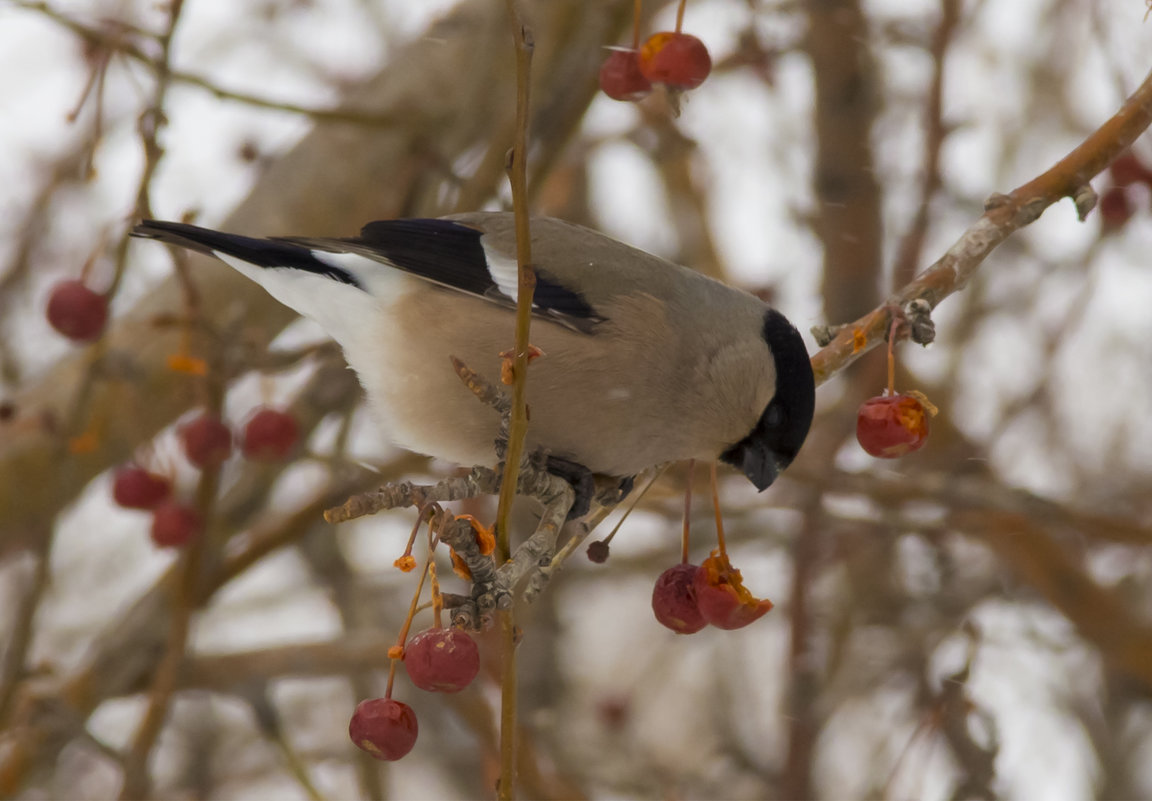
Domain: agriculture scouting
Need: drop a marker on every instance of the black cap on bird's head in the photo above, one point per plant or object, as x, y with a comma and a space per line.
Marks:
774, 442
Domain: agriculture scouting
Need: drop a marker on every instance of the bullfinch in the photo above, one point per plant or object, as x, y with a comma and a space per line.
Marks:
645, 361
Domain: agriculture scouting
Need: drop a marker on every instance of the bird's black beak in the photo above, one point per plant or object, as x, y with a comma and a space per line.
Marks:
760, 465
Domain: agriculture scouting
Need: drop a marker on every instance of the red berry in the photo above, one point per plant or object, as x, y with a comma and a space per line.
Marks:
76, 311
133, 487
384, 728
1115, 209
890, 426
674, 600
207, 441
442, 660
620, 76
269, 435
1127, 169
721, 596
679, 60
174, 524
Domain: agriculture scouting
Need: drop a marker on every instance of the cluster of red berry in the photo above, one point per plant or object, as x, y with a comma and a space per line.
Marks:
1117, 204
677, 60
688, 597
438, 660
269, 435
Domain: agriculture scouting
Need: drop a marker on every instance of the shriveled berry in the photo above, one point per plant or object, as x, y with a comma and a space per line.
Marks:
621, 78
207, 441
76, 311
674, 600
386, 729
442, 660
133, 487
721, 596
678, 60
1115, 209
269, 435
890, 426
598, 552
174, 524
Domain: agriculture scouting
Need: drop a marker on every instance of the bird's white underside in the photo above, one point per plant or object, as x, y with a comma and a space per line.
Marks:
361, 322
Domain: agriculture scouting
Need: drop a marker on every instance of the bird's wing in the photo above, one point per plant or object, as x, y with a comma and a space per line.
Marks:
459, 255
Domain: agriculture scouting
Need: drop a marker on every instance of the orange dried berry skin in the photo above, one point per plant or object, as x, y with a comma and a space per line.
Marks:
459, 566
721, 596
189, 365
485, 535
84, 443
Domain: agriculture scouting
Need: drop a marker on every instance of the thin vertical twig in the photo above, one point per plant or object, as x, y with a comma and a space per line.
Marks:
526, 285
518, 424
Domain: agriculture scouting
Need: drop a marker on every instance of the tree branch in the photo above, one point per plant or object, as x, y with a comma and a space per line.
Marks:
1003, 216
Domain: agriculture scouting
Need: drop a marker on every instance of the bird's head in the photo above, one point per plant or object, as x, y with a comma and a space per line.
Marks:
783, 425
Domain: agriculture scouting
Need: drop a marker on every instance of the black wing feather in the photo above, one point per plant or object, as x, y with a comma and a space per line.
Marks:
450, 253
555, 298
443, 251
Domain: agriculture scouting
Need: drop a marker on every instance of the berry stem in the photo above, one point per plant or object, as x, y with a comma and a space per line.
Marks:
892, 355
402, 637
687, 513
636, 502
416, 530
680, 15
716, 510
437, 598
89, 263
636, 7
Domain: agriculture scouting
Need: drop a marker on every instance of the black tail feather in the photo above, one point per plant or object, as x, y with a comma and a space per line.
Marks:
268, 253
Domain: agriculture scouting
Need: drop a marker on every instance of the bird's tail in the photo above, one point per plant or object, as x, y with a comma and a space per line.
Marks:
264, 253
194, 237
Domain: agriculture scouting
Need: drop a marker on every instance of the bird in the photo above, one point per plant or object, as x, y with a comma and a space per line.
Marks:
645, 362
